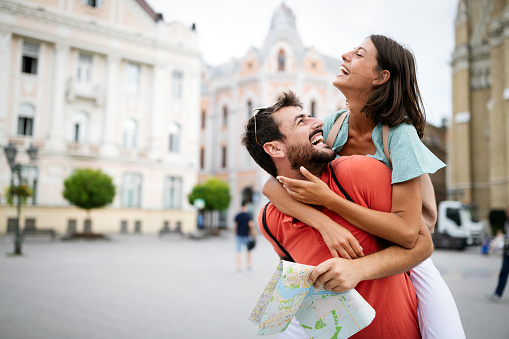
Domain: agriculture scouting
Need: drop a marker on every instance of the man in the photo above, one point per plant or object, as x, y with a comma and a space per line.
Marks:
281, 138
243, 228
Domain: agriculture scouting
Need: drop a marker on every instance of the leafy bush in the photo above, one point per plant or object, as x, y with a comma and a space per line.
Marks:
88, 189
215, 192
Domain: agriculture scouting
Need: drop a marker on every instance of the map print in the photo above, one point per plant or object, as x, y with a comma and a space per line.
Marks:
322, 314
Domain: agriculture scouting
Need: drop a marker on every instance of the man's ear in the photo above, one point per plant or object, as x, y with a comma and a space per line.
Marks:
383, 78
274, 148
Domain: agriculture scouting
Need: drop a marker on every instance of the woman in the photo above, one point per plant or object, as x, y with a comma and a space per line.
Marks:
378, 79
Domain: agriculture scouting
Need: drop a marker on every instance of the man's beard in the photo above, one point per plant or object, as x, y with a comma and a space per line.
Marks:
312, 159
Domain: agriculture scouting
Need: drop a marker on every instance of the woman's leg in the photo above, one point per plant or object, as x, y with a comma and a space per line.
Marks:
438, 314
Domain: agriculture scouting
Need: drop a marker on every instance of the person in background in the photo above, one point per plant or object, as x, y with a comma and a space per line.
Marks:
243, 228
504, 271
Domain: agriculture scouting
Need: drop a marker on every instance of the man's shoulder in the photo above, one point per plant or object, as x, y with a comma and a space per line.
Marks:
358, 162
272, 215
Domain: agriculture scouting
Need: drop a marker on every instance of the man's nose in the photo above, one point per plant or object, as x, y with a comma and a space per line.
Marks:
316, 123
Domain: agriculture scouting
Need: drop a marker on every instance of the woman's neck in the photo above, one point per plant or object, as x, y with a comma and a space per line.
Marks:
359, 122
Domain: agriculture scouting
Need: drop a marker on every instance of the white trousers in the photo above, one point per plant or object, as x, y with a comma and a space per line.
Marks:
437, 311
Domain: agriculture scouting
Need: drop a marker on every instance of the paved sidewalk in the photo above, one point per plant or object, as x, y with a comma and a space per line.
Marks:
141, 286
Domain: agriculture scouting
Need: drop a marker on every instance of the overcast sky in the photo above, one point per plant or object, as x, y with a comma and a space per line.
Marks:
227, 28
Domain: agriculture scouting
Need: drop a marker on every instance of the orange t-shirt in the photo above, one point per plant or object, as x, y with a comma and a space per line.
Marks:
368, 182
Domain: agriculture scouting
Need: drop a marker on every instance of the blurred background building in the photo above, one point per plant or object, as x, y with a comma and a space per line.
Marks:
231, 91
106, 85
478, 138
110, 85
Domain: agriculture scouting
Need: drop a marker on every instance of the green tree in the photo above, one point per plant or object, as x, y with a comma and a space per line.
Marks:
215, 193
89, 189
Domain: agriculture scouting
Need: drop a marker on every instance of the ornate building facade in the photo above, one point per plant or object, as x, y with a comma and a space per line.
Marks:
106, 85
231, 91
478, 139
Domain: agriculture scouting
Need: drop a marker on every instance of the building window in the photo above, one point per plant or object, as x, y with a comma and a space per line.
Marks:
174, 138
26, 114
178, 82
203, 117
80, 127
132, 78
202, 158
93, 3
281, 60
130, 129
25, 126
30, 58
131, 190
313, 108
84, 72
225, 115
172, 192
249, 109
223, 157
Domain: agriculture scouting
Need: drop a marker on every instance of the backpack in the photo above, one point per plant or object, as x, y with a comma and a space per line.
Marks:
429, 204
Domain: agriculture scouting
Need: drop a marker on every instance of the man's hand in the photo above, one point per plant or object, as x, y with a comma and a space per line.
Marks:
312, 192
340, 240
337, 275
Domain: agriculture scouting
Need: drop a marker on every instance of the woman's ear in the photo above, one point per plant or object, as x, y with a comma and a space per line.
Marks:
383, 77
274, 149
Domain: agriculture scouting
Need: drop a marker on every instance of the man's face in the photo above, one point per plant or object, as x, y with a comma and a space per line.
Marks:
303, 139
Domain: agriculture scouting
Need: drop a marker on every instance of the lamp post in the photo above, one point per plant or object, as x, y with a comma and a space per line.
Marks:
10, 153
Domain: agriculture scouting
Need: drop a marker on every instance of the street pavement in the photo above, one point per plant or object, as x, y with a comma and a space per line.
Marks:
144, 286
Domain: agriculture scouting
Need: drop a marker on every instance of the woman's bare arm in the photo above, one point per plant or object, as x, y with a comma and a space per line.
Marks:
400, 226
337, 238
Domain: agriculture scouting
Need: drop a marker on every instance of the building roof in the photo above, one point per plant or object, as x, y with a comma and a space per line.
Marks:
155, 16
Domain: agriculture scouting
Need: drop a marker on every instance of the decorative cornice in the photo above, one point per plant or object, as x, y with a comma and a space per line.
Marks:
90, 26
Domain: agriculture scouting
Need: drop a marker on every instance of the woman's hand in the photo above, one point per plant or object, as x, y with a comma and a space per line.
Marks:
313, 192
340, 240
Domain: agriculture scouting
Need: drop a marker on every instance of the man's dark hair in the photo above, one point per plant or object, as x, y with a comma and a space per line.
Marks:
267, 130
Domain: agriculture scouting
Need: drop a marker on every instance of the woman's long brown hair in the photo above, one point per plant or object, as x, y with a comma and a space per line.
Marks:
399, 99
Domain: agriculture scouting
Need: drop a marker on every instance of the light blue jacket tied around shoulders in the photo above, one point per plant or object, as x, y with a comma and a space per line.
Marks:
410, 158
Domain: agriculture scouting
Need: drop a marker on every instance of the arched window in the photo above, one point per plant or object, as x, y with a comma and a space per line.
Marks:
203, 118
130, 128
26, 115
174, 137
93, 3
247, 195
281, 59
131, 190
249, 109
313, 109
80, 127
225, 115
172, 192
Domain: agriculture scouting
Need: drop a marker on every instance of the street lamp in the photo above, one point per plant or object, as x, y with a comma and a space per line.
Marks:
10, 154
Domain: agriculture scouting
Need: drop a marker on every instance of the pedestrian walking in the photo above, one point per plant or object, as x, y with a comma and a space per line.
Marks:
243, 229
504, 271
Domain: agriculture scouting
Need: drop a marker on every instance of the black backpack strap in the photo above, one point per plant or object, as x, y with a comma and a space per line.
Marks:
337, 183
264, 221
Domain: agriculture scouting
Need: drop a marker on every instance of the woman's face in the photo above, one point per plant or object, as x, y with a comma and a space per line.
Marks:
358, 71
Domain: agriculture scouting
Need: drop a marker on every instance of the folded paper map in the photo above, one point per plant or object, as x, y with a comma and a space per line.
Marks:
322, 314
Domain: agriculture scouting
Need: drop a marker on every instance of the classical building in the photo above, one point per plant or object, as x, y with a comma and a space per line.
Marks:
106, 85
478, 138
231, 91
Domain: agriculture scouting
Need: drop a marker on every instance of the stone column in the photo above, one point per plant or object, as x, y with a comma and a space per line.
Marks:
5, 67
155, 133
110, 125
57, 130
497, 125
